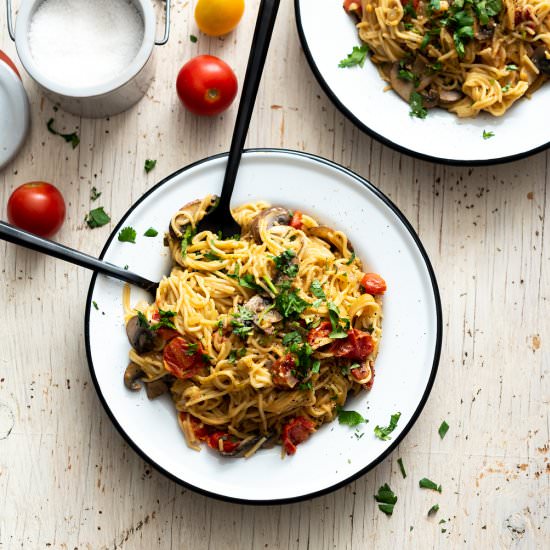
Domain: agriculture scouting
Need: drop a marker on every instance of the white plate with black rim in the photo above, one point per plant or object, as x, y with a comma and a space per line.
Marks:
409, 350
328, 34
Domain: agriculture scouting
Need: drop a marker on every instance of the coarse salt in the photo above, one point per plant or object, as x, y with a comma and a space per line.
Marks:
83, 43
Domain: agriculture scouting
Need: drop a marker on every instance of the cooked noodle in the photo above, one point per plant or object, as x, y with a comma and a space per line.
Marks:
256, 359
466, 56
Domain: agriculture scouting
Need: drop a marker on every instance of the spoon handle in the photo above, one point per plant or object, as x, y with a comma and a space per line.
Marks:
258, 53
45, 246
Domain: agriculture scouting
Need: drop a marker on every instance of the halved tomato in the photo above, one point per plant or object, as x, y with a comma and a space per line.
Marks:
183, 359
358, 345
295, 432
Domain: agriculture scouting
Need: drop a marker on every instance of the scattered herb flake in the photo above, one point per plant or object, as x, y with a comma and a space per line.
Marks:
511, 67
443, 429
386, 499
350, 418
149, 165
402, 467
151, 232
417, 106
165, 320
317, 290
284, 263
288, 303
433, 510
334, 315
357, 56
94, 194
73, 138
487, 135
193, 38
351, 259
94, 303
383, 433
426, 483
127, 235
293, 337
97, 218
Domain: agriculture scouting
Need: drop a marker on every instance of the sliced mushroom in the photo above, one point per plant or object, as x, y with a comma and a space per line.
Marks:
430, 98
264, 314
420, 70
267, 219
329, 235
245, 446
156, 388
403, 87
449, 96
541, 58
141, 338
180, 220
132, 374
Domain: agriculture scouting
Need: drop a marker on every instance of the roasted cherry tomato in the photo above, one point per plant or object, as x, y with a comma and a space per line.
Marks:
228, 443
353, 6
183, 359
37, 207
373, 283
296, 220
295, 432
206, 85
217, 17
358, 345
281, 372
360, 373
319, 336
11, 64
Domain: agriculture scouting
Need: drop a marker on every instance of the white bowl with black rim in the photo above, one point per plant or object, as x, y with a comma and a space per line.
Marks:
328, 34
409, 350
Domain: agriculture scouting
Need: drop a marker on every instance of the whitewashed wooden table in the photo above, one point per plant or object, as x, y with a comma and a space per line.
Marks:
67, 478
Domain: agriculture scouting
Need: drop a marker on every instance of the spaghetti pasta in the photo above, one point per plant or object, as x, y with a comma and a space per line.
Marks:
261, 337
466, 56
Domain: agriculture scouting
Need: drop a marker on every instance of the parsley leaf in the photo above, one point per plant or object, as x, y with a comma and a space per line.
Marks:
73, 138
316, 366
383, 433
417, 106
149, 165
242, 321
94, 194
402, 467
433, 510
511, 67
435, 5
443, 429
187, 239
193, 38
334, 314
142, 320
350, 418
487, 135
292, 338
151, 232
408, 9
288, 303
165, 320
426, 483
351, 259
127, 235
284, 264
94, 303
97, 218
357, 56
317, 290
246, 281
386, 499
210, 256
236, 354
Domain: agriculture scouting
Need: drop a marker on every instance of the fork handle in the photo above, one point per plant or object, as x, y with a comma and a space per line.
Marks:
45, 246
258, 53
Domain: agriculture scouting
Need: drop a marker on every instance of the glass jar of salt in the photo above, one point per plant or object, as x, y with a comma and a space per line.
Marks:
93, 58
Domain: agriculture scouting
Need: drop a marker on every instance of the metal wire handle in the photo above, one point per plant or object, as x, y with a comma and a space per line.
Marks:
11, 30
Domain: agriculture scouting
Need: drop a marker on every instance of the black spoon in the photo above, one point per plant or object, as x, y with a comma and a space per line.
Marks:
219, 218
29, 240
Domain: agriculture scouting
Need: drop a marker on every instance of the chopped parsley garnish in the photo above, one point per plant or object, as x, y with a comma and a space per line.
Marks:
426, 483
246, 281
306, 385
304, 364
511, 67
193, 38
284, 263
165, 320
357, 56
127, 235
401, 467
443, 429
97, 218
485, 9
417, 106
506, 87
73, 138
94, 194
292, 338
433, 510
191, 349
351, 259
288, 303
149, 165
408, 9
187, 239
487, 135
386, 499
337, 330
210, 256
142, 320
151, 232
425, 41
235, 354
405, 74
350, 418
435, 5
315, 366
383, 433
242, 321
317, 290
94, 303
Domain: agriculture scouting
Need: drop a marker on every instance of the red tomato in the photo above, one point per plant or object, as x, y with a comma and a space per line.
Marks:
183, 359
281, 372
360, 373
199, 429
228, 444
353, 6
296, 431
358, 345
316, 335
37, 207
206, 85
373, 283
10, 63
296, 220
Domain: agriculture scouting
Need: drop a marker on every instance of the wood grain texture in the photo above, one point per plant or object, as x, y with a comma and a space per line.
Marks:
68, 480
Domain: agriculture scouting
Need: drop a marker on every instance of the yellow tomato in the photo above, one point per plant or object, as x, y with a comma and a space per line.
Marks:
217, 17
